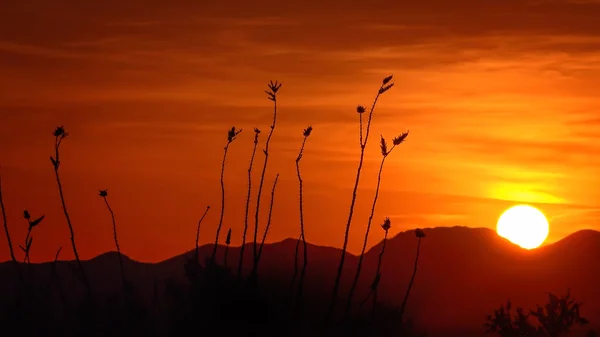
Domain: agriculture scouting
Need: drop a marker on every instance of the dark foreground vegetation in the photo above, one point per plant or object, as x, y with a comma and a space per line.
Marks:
219, 298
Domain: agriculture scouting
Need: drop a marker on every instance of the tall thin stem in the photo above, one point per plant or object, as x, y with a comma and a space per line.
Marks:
54, 276
227, 243
114, 225
375, 283
301, 204
198, 232
243, 247
364, 247
56, 164
410, 284
27, 246
262, 243
295, 275
376, 287
8, 239
363, 145
272, 95
231, 136
214, 253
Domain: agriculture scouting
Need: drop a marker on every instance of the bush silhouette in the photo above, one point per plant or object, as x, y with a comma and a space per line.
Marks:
555, 318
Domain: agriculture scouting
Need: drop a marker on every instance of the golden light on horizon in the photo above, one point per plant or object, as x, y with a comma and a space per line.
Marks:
523, 225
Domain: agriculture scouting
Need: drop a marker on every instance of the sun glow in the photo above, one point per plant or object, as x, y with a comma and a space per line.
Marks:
523, 225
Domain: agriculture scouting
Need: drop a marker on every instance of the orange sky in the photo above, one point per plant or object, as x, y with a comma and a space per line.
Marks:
501, 98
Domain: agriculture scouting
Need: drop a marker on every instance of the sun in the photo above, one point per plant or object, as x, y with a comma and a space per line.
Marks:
523, 225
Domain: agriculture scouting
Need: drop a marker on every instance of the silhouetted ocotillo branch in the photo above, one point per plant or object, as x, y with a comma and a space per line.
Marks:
227, 243
267, 227
198, 232
420, 235
387, 224
29, 238
243, 247
104, 195
271, 95
385, 153
363, 144
231, 136
8, 238
59, 135
54, 277
305, 133
295, 274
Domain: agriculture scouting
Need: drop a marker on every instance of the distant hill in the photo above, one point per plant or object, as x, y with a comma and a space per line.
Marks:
463, 274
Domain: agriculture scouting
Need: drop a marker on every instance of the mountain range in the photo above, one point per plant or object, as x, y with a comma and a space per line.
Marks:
463, 274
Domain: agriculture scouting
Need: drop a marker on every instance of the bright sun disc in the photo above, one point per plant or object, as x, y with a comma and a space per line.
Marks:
523, 225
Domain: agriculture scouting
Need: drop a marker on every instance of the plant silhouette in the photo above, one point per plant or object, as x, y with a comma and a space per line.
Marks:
243, 246
305, 133
386, 225
198, 234
59, 135
231, 136
385, 86
227, 243
556, 318
104, 195
7, 233
385, 153
267, 227
272, 96
420, 235
29, 238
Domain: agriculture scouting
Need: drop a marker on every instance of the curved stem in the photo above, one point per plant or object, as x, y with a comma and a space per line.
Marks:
262, 243
262, 178
302, 236
295, 275
410, 284
379, 270
114, 224
364, 247
68, 218
8, 239
334, 293
243, 247
214, 253
198, 232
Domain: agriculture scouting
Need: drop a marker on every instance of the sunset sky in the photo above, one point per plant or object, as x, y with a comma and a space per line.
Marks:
501, 99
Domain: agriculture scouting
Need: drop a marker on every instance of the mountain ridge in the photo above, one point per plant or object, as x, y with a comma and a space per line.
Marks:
472, 269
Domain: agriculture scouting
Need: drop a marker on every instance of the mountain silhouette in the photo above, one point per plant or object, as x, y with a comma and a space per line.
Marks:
464, 273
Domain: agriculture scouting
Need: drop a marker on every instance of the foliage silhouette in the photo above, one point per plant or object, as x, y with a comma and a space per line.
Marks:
385, 153
306, 133
231, 136
386, 225
227, 243
420, 235
556, 318
7, 233
254, 272
385, 86
104, 195
59, 135
243, 246
272, 96
29, 238
198, 232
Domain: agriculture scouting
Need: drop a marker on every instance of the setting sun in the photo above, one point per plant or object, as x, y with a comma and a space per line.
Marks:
523, 225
